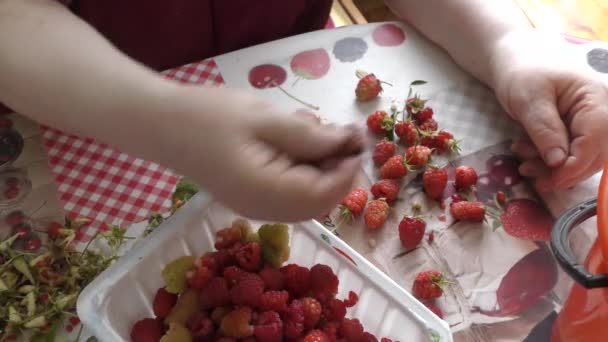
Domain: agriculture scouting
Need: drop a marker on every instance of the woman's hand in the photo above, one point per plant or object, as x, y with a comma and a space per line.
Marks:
563, 110
261, 161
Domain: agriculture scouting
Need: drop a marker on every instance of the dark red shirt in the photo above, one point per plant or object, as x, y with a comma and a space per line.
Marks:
167, 33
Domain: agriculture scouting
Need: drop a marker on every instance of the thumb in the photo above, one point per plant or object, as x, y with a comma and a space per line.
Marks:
546, 129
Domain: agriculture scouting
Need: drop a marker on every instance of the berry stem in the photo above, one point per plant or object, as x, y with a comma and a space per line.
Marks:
311, 106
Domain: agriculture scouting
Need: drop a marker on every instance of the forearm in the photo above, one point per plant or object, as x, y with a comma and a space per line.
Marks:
469, 30
59, 71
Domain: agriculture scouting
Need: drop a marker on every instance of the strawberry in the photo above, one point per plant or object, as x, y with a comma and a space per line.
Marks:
424, 115
379, 122
428, 285
163, 303
418, 156
407, 133
466, 177
434, 181
386, 188
441, 142
353, 204
411, 231
394, 168
429, 125
527, 219
437, 311
414, 105
368, 87
316, 336
468, 211
376, 214
383, 151
147, 330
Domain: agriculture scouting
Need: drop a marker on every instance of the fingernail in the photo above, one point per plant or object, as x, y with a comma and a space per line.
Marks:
555, 156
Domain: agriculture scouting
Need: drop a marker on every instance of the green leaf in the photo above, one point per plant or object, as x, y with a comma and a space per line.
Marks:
418, 82
495, 225
92, 339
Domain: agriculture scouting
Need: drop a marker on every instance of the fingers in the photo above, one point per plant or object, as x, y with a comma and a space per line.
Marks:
298, 191
585, 160
524, 149
547, 130
306, 141
534, 168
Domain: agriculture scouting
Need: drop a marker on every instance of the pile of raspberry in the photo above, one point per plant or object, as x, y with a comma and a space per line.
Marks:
243, 299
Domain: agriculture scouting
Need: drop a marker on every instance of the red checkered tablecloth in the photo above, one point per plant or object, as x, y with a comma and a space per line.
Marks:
108, 186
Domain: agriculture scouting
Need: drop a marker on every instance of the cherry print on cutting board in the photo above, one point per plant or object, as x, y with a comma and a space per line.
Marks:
349, 49
310, 64
598, 60
267, 76
388, 35
525, 284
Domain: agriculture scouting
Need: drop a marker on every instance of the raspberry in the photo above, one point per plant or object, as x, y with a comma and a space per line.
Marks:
269, 327
297, 279
335, 310
407, 132
163, 303
274, 301
233, 275
249, 256
352, 300
351, 329
218, 314
316, 336
247, 292
237, 323
423, 115
331, 330
201, 326
273, 279
312, 312
215, 293
323, 282
367, 337
199, 278
293, 320
429, 125
223, 259
227, 237
147, 330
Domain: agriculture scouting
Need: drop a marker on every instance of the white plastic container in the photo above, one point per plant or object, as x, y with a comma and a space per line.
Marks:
123, 294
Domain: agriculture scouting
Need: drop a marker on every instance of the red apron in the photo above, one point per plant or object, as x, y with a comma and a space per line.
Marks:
167, 33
